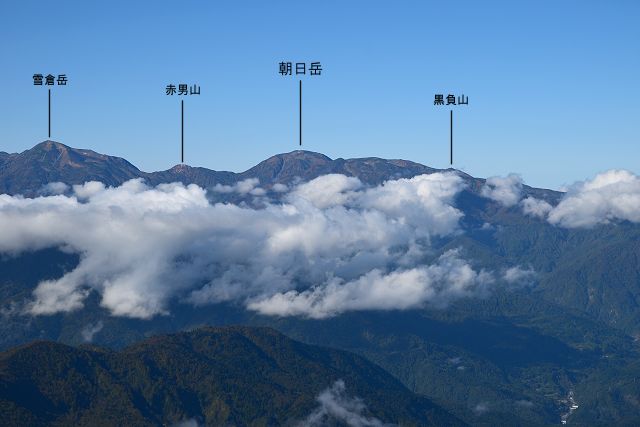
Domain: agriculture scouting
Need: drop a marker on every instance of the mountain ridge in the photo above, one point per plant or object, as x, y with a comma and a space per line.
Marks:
28, 172
195, 375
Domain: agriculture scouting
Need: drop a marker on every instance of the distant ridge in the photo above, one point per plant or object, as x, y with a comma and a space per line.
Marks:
26, 173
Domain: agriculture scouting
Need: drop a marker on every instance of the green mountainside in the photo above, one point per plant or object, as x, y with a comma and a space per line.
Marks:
214, 376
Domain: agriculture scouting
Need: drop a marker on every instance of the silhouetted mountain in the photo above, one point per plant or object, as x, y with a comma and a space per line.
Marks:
211, 376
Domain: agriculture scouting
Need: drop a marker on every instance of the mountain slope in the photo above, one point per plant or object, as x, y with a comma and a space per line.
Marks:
216, 376
49, 161
28, 172
185, 174
516, 353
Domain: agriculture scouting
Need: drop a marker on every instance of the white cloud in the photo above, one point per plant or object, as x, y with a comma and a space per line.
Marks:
280, 188
88, 189
140, 247
425, 202
535, 207
328, 190
612, 195
519, 276
53, 188
336, 405
437, 284
505, 190
89, 331
247, 186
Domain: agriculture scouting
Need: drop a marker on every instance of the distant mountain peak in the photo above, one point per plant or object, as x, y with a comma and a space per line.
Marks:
49, 147
288, 167
51, 161
181, 167
56, 155
303, 154
50, 144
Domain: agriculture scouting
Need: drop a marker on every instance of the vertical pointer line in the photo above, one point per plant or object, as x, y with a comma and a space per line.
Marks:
300, 115
49, 113
451, 137
182, 131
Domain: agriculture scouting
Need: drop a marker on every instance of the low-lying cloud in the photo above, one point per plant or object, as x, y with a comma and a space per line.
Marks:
328, 246
332, 245
53, 188
90, 331
247, 186
519, 276
336, 406
610, 196
504, 190
448, 279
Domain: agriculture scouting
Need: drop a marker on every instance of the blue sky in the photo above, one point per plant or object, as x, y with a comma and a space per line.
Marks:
552, 85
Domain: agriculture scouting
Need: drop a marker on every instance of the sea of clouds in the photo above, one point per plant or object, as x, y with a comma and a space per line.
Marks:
328, 246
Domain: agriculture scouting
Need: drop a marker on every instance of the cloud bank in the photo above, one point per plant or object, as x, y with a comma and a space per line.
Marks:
332, 246
450, 278
610, 196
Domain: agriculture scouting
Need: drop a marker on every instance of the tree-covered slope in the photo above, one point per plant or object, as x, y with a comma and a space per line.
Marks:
214, 376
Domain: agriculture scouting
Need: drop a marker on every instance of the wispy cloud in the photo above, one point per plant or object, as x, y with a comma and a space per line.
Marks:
519, 276
336, 405
89, 331
247, 186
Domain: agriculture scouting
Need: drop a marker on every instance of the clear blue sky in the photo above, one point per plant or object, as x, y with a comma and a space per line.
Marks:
553, 85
